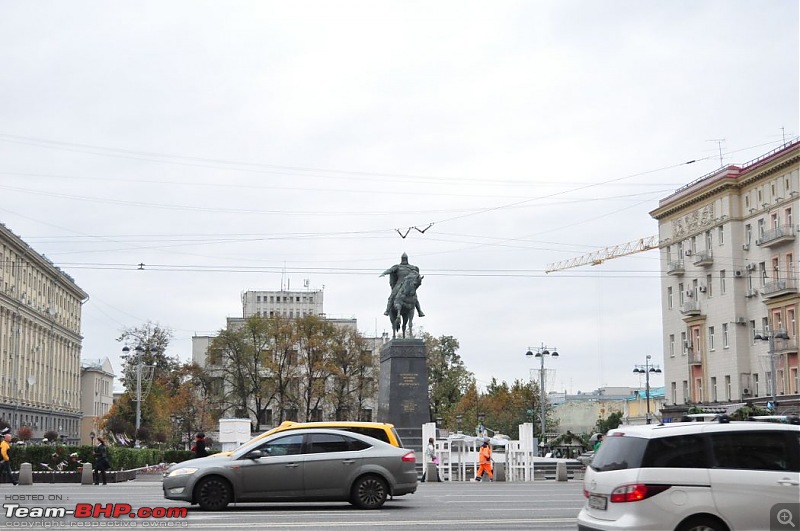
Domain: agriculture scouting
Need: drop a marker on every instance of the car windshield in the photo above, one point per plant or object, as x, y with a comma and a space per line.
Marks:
619, 453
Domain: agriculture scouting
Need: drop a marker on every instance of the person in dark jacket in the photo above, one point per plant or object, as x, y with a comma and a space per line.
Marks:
101, 463
199, 447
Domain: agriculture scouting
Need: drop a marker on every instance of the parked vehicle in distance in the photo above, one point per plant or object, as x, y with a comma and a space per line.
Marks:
382, 431
687, 476
297, 465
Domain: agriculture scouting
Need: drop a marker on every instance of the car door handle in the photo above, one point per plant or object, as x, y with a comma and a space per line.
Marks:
348, 461
292, 465
787, 481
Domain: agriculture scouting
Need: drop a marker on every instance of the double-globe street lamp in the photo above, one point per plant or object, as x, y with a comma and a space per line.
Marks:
647, 369
771, 335
139, 366
540, 353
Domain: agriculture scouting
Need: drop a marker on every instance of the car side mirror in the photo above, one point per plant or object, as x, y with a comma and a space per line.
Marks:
254, 454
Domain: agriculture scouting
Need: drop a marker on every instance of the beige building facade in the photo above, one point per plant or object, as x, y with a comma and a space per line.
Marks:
97, 397
40, 342
729, 252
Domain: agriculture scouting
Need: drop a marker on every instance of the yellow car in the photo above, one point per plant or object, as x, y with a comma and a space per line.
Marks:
379, 430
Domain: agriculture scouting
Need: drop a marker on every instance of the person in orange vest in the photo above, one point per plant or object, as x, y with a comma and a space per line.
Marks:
485, 461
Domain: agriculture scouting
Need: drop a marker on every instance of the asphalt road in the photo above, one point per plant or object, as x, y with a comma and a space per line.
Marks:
457, 505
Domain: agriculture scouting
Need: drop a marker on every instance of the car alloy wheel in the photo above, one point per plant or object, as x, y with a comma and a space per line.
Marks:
213, 493
369, 492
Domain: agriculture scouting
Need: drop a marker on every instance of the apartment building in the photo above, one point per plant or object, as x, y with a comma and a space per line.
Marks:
97, 397
729, 252
40, 341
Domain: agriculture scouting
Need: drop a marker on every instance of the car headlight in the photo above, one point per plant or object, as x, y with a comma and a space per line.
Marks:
182, 471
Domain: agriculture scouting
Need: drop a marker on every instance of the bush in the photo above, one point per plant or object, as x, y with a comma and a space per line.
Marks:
121, 457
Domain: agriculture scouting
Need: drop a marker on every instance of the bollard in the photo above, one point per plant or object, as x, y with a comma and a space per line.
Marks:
86, 474
499, 471
25, 474
432, 474
561, 471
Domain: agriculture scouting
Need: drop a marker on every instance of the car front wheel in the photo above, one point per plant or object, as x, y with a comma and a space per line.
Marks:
213, 493
369, 492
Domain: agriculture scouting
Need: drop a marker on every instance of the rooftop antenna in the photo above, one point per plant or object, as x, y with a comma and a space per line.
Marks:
783, 132
719, 142
283, 275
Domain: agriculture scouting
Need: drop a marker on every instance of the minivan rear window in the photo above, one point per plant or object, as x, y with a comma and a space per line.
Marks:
619, 453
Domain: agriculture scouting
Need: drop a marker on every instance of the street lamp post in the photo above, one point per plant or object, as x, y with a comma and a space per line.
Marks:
540, 353
139, 366
771, 335
646, 369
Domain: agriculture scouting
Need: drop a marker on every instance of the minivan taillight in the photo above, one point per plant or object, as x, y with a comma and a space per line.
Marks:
410, 457
635, 492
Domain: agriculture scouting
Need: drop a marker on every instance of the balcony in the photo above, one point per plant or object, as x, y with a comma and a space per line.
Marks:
783, 346
776, 236
751, 293
703, 258
690, 308
780, 287
695, 358
675, 268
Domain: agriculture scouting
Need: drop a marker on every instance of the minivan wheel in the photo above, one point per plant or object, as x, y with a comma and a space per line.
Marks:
212, 493
369, 492
702, 523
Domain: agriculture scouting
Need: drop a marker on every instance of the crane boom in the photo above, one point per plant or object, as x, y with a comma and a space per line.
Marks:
600, 256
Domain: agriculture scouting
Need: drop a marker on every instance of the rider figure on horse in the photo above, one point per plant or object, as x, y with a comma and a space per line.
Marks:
396, 275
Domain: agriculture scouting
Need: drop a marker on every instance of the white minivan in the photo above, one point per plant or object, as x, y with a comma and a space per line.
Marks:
694, 476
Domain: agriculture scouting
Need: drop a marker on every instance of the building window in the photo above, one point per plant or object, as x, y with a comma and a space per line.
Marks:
728, 387
698, 386
684, 344
686, 397
721, 235
756, 390
768, 378
714, 388
669, 297
672, 345
710, 338
725, 343
761, 228
709, 242
787, 215
709, 286
673, 392
793, 381
722, 282
792, 321
680, 294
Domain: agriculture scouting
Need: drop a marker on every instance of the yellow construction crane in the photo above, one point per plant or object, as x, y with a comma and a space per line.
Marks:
600, 256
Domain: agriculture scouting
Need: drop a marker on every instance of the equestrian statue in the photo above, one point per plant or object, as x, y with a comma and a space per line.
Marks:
404, 280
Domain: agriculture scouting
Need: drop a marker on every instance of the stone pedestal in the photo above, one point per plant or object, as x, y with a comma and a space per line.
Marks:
403, 389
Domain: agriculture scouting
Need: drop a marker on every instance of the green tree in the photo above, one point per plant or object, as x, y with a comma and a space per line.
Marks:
353, 369
448, 377
244, 359
611, 422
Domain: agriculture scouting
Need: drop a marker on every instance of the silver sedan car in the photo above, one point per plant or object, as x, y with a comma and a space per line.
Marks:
301, 465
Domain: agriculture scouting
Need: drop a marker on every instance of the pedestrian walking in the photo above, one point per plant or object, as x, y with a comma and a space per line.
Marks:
485, 461
199, 447
101, 462
5, 464
430, 457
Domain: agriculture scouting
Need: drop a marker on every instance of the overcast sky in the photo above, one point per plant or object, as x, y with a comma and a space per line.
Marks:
233, 146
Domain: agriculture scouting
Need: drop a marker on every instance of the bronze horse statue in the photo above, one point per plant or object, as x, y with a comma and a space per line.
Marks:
401, 314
